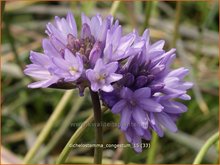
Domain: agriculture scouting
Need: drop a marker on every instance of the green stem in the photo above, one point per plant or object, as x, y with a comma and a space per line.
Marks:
177, 22
152, 150
49, 125
114, 7
98, 123
148, 11
205, 148
154, 8
75, 137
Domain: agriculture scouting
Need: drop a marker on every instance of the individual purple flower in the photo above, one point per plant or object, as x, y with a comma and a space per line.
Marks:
145, 96
119, 47
98, 27
133, 105
103, 75
40, 69
62, 28
70, 67
174, 83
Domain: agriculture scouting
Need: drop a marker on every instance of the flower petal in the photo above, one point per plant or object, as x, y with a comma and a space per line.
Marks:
173, 107
44, 83
39, 59
86, 31
119, 106
49, 49
125, 118
142, 93
107, 88
99, 65
95, 87
166, 121
72, 23
137, 144
150, 105
147, 135
111, 67
180, 73
140, 117
126, 93
113, 77
61, 63
91, 75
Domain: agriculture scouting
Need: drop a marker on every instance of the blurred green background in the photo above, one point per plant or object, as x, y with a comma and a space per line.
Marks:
191, 27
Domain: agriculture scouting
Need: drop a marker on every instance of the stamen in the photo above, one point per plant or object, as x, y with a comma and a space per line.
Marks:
73, 70
101, 77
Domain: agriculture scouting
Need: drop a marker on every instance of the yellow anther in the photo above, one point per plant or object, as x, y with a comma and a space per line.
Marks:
73, 70
101, 77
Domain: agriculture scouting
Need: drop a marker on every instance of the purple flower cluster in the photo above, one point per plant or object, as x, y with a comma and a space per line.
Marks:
144, 97
88, 60
132, 75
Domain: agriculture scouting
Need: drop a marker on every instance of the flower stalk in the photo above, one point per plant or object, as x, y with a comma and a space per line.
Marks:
98, 123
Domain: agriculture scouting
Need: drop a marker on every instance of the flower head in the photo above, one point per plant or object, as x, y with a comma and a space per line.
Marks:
145, 96
74, 58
